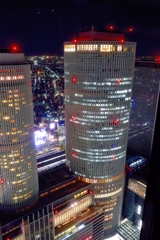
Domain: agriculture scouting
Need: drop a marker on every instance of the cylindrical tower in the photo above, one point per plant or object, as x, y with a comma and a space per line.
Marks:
98, 80
18, 171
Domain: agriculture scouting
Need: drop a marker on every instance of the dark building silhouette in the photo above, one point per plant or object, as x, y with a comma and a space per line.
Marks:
143, 108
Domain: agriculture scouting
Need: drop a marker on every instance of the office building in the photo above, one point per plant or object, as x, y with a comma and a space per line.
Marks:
151, 216
143, 107
98, 69
18, 171
64, 210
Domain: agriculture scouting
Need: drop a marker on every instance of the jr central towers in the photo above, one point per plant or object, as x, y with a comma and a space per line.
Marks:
98, 80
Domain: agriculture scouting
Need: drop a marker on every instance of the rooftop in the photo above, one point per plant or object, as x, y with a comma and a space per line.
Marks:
101, 35
53, 186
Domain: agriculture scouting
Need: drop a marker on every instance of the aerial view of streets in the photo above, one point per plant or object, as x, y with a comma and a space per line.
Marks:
47, 81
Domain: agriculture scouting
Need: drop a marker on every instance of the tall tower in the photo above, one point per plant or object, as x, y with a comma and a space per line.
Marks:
98, 80
18, 172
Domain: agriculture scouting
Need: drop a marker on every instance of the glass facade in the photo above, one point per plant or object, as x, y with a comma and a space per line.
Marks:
143, 108
18, 171
98, 82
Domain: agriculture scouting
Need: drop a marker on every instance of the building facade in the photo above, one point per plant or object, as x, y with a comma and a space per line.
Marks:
98, 72
143, 107
18, 171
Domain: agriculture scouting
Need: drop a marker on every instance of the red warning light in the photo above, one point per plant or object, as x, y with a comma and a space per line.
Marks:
119, 81
1, 181
122, 40
131, 29
73, 118
116, 121
74, 80
56, 212
90, 191
75, 40
74, 154
111, 27
14, 48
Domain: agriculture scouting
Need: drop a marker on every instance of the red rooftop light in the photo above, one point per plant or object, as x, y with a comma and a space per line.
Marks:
122, 40
111, 27
131, 29
75, 40
56, 212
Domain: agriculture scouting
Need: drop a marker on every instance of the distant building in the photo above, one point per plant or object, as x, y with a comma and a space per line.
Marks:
18, 171
143, 107
98, 70
134, 197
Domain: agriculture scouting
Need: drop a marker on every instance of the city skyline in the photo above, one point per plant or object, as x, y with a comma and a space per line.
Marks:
41, 27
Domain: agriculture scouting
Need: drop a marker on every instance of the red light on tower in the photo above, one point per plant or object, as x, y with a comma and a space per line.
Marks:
14, 48
116, 121
131, 30
73, 118
74, 154
119, 81
56, 212
74, 80
111, 27
1, 181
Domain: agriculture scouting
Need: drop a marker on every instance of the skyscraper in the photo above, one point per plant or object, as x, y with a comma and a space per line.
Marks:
18, 171
98, 80
144, 107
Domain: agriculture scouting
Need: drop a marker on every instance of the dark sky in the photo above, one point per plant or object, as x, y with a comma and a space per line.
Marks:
60, 20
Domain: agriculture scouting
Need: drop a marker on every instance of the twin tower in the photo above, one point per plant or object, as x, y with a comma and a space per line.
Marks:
98, 72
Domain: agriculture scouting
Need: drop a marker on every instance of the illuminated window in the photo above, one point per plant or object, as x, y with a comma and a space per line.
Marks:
119, 48
107, 48
87, 47
69, 48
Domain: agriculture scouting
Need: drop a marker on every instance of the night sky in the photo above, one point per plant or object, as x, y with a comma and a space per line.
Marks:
40, 27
